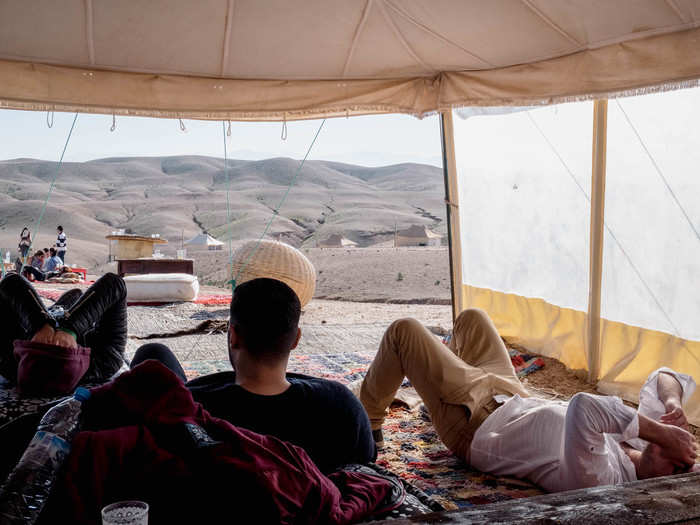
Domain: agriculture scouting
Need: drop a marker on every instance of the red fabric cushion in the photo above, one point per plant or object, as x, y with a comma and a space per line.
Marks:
45, 369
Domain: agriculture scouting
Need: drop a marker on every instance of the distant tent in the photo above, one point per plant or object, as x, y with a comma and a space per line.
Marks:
337, 241
418, 236
204, 241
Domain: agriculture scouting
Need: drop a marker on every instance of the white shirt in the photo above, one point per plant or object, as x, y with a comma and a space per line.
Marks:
61, 242
568, 445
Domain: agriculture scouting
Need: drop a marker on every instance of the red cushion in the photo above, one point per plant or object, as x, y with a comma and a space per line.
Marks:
45, 369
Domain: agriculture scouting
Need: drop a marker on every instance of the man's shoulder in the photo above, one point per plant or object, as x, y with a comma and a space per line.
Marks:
316, 382
211, 382
326, 391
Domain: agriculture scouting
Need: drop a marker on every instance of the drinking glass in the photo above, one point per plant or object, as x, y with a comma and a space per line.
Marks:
125, 513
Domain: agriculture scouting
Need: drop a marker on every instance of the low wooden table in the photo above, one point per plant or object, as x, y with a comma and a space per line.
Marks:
670, 499
143, 266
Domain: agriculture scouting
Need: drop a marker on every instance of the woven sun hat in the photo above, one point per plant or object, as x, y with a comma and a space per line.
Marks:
275, 260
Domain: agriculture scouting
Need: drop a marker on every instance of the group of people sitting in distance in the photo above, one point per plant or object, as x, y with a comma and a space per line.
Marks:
477, 404
45, 263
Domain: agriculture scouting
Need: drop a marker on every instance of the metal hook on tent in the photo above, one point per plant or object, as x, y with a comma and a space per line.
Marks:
284, 128
49, 123
114, 123
228, 131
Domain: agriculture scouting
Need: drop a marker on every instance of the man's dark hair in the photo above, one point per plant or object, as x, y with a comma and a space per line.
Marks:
46, 250
52, 251
265, 315
39, 254
59, 228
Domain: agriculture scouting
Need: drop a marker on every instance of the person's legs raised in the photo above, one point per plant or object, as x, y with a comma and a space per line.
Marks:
409, 350
99, 320
68, 299
475, 340
160, 353
23, 314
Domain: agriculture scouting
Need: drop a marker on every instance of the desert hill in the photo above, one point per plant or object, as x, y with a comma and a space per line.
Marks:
184, 195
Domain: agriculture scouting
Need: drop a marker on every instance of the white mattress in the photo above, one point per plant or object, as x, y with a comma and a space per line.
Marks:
161, 287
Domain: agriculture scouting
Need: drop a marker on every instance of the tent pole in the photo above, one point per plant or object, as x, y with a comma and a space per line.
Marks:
600, 132
454, 238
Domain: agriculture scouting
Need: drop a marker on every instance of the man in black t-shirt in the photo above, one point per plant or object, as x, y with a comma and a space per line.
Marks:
321, 416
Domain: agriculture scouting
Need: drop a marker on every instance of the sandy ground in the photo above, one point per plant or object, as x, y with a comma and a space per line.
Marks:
327, 326
375, 274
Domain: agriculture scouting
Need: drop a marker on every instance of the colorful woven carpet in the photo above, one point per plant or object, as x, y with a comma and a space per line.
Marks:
412, 449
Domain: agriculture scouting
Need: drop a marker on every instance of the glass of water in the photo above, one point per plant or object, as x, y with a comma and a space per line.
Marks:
125, 513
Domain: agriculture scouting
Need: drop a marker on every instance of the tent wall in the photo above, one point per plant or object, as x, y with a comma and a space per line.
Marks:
539, 258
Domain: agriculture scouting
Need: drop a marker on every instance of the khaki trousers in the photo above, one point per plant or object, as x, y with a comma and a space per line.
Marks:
468, 374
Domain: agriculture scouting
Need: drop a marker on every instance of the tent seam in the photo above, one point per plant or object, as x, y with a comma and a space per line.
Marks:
402, 39
230, 6
428, 30
356, 36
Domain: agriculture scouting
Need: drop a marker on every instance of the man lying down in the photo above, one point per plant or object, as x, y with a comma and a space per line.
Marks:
484, 415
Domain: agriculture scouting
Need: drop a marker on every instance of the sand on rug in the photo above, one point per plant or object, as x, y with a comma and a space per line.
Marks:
412, 449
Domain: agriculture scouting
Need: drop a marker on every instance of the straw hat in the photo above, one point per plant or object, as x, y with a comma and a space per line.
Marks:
275, 260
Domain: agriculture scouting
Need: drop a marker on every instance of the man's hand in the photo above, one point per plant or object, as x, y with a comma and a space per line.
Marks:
678, 444
44, 335
674, 415
64, 339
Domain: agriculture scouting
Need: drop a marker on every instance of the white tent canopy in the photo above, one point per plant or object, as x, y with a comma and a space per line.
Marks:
417, 235
285, 59
337, 240
204, 241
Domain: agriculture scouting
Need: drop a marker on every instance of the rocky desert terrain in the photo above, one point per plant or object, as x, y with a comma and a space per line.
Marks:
179, 197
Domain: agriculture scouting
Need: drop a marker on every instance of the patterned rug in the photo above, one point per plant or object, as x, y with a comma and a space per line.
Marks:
412, 449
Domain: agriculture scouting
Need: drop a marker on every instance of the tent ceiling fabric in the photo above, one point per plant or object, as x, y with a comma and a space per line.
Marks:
274, 59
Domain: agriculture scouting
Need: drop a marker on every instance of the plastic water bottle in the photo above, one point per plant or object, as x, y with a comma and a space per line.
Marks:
28, 487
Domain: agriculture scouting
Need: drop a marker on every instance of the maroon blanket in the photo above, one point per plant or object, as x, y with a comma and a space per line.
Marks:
146, 439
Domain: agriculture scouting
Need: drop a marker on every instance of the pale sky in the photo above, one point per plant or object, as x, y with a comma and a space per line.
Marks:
371, 140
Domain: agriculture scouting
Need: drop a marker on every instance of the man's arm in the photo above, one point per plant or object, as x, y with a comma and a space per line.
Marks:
586, 461
670, 394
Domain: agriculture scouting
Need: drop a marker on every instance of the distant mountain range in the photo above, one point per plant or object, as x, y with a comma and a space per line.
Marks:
181, 196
